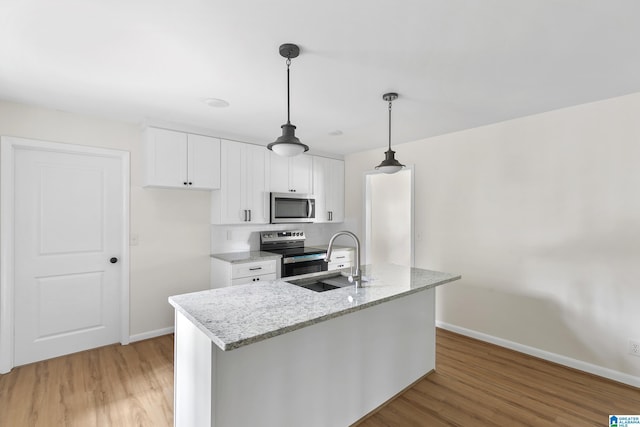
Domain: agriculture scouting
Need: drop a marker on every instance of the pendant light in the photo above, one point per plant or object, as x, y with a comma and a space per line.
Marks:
390, 164
288, 145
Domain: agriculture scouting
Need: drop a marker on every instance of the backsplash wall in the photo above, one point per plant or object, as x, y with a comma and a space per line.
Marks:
238, 238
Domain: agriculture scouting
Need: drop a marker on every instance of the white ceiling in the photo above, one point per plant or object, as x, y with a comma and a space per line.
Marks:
456, 64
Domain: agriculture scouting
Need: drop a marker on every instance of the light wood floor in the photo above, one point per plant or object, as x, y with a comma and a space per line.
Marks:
476, 384
479, 384
113, 386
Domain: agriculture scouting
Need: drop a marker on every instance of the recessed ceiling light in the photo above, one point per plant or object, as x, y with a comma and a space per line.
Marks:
336, 133
216, 103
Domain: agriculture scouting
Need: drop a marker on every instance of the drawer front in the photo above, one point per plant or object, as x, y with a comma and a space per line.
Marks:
253, 279
248, 269
338, 265
342, 256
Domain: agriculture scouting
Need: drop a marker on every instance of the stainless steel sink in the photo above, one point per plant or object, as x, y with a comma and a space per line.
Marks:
322, 283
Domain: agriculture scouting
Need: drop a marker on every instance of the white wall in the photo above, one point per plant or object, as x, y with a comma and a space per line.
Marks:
172, 256
390, 218
541, 216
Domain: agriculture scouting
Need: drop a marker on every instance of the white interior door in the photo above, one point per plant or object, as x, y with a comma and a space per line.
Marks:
69, 221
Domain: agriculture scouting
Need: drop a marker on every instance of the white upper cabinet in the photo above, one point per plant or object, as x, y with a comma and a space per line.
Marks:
179, 160
328, 189
243, 197
291, 174
203, 162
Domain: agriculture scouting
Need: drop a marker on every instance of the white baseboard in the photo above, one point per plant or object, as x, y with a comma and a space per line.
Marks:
151, 334
546, 355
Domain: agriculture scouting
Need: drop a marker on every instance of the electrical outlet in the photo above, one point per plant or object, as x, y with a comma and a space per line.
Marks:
634, 347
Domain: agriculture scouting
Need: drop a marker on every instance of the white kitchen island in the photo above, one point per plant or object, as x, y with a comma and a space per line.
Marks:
276, 354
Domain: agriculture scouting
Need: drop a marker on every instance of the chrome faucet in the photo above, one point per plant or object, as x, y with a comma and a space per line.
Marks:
355, 276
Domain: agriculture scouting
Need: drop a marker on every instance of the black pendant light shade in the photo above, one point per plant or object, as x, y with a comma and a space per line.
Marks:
288, 144
390, 164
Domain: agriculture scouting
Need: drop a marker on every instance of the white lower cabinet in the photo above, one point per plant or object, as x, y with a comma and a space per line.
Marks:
341, 258
253, 279
224, 273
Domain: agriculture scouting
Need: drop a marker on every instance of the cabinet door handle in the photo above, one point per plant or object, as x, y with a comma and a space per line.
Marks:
184, 183
340, 257
245, 215
255, 268
190, 183
249, 215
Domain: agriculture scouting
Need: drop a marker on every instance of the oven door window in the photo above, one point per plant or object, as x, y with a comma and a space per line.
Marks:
306, 267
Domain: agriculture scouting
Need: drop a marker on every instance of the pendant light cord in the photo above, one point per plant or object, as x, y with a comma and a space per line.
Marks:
288, 100
389, 125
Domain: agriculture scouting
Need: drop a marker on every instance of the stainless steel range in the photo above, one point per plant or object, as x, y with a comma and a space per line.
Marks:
296, 258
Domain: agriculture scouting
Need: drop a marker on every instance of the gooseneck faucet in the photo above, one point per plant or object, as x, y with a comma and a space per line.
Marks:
355, 277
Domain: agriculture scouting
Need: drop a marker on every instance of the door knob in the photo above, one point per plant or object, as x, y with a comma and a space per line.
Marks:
113, 260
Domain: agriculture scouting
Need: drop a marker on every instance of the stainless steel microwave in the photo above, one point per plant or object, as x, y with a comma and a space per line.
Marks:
291, 208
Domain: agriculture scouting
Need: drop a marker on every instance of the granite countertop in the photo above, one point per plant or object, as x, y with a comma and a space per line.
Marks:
236, 316
239, 257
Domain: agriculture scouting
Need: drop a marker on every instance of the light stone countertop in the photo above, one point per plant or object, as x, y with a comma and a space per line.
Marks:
250, 256
236, 316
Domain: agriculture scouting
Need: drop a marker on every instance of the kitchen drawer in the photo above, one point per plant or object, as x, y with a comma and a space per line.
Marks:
342, 256
253, 279
338, 265
248, 269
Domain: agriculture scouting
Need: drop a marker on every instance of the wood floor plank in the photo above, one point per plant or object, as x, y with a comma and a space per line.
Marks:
476, 384
110, 386
480, 384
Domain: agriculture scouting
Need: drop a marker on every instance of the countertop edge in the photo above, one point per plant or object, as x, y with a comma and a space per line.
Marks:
290, 328
221, 345
249, 256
